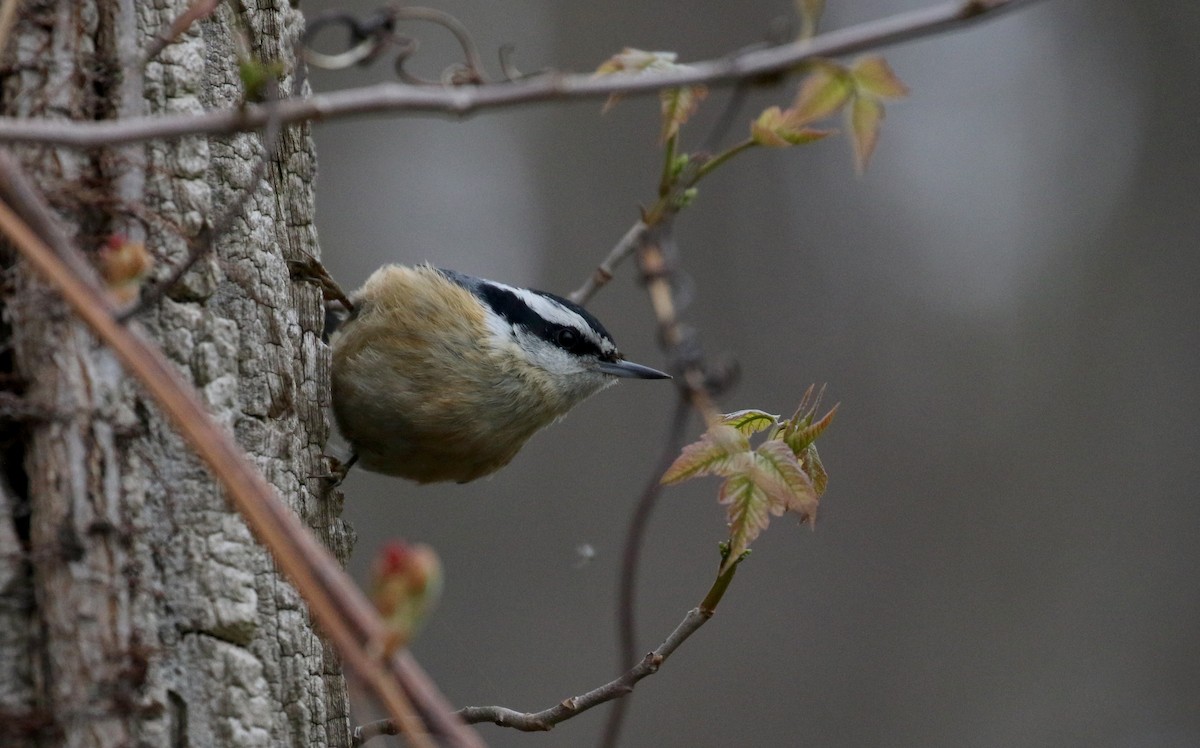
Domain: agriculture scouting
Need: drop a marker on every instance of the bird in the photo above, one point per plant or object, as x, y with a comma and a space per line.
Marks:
441, 376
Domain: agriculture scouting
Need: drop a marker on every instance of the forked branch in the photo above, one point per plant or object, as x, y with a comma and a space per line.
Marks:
465, 100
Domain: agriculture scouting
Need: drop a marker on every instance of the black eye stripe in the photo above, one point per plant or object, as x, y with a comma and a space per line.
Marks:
512, 308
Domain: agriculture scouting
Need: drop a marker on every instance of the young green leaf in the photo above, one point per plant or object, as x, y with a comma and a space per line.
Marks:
866, 117
873, 81
257, 75
873, 76
775, 128
826, 90
749, 421
722, 450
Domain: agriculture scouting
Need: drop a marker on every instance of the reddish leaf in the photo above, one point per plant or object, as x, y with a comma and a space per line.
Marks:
678, 105
801, 431
783, 480
124, 264
771, 482
749, 514
722, 450
811, 462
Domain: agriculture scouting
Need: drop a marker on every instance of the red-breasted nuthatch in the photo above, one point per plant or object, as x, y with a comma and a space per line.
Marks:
440, 376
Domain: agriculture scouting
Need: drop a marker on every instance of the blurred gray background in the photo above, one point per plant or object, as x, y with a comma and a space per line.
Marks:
1005, 306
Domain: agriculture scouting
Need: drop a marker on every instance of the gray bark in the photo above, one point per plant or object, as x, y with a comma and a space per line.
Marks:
135, 607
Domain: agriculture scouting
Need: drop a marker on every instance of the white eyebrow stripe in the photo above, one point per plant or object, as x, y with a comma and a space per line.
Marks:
551, 311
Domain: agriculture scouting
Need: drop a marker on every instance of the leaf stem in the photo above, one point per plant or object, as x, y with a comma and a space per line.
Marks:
719, 159
717, 591
668, 176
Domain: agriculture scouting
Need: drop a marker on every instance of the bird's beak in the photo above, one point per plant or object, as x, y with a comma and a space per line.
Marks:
631, 370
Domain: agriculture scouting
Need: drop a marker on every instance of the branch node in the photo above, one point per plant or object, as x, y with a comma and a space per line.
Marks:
651, 663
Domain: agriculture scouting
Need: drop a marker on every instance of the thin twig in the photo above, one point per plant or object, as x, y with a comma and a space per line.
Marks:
196, 10
371, 730
575, 705
341, 611
465, 100
616, 688
408, 721
695, 390
656, 274
604, 271
474, 64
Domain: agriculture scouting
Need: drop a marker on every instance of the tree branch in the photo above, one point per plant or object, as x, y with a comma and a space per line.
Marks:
465, 100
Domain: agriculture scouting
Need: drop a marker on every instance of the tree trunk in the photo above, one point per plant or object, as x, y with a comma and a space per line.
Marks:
135, 607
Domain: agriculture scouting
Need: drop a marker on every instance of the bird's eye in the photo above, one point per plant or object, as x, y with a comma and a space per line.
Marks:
567, 338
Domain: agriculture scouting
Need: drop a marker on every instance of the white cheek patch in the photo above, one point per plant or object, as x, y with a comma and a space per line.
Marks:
548, 357
499, 328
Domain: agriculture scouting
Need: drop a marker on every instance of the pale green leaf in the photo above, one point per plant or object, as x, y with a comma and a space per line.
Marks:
776, 128
749, 421
722, 450
873, 76
822, 94
631, 60
634, 61
866, 117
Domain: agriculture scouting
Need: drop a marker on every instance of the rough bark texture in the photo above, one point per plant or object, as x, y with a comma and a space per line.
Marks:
135, 607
